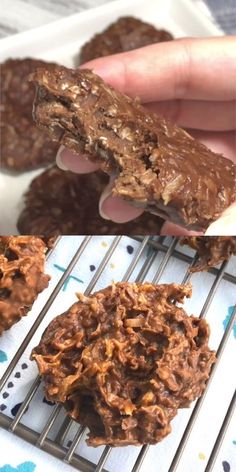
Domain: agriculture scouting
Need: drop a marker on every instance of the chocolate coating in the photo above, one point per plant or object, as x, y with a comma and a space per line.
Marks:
158, 166
124, 359
125, 34
22, 276
71, 207
211, 250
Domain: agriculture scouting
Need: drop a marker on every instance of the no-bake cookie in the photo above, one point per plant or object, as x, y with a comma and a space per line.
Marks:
22, 276
157, 165
124, 359
211, 250
125, 34
23, 145
71, 207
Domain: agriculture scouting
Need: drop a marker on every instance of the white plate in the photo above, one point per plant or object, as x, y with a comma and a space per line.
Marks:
61, 40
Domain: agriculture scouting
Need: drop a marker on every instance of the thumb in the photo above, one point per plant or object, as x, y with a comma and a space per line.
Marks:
225, 225
171, 229
115, 208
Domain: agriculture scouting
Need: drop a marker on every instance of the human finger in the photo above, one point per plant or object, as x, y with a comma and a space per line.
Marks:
170, 229
189, 68
67, 160
115, 208
198, 114
225, 225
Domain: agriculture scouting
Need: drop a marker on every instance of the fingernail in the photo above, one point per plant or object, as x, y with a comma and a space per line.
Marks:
119, 210
59, 161
106, 193
225, 226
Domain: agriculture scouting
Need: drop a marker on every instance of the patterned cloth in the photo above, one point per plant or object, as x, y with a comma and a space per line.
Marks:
224, 12
25, 458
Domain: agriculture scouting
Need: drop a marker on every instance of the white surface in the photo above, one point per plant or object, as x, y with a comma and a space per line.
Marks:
217, 399
27, 14
61, 40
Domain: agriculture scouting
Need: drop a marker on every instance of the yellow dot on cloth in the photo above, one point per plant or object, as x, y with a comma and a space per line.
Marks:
104, 244
201, 456
112, 265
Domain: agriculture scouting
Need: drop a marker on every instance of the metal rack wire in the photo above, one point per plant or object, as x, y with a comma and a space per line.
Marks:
56, 447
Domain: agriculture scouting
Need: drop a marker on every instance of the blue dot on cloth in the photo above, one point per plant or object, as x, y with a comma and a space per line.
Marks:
130, 249
48, 402
234, 442
16, 408
92, 267
24, 467
226, 466
227, 318
3, 356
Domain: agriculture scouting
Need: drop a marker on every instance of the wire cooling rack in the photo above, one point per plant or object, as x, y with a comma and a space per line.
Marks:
150, 261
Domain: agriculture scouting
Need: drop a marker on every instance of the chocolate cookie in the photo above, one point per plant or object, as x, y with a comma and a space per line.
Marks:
71, 207
22, 276
15, 87
125, 34
158, 166
123, 360
23, 145
211, 250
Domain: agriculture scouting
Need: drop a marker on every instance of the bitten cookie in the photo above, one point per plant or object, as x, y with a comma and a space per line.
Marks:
211, 249
124, 359
71, 207
125, 34
71, 199
157, 165
22, 276
23, 145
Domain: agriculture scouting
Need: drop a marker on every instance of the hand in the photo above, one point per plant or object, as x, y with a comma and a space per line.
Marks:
192, 82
